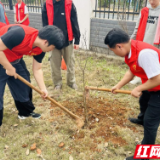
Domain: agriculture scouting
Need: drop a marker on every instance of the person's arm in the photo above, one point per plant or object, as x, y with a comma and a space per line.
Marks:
75, 26
26, 15
44, 15
10, 70
133, 36
151, 83
126, 79
15, 19
38, 73
2, 16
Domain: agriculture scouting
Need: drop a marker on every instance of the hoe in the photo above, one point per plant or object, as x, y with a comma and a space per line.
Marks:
79, 121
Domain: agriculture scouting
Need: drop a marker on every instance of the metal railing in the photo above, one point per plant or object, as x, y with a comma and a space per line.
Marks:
119, 9
5, 3
33, 5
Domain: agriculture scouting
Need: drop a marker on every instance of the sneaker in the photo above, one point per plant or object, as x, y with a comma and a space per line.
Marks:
73, 86
136, 121
136, 80
22, 117
33, 115
58, 87
129, 158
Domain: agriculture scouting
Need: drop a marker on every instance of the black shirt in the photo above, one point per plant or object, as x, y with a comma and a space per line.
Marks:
60, 20
14, 36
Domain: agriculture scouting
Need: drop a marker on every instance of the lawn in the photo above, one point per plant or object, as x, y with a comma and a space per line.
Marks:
108, 135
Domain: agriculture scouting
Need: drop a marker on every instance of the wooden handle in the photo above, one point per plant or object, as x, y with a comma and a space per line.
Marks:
49, 98
108, 90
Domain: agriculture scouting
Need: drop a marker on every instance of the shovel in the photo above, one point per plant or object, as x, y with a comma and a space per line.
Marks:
79, 121
87, 88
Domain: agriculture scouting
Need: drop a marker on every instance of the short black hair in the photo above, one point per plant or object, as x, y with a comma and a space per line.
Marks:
53, 35
116, 35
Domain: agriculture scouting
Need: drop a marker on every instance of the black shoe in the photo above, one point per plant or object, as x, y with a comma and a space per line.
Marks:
33, 115
129, 158
136, 121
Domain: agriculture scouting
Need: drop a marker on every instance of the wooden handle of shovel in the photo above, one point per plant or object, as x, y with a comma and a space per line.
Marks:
49, 98
108, 90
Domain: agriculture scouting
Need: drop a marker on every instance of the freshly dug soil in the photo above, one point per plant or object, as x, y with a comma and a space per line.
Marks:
103, 117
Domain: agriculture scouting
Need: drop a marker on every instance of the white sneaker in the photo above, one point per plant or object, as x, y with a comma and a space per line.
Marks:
136, 80
22, 117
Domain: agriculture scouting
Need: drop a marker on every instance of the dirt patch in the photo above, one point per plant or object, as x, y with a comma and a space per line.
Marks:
104, 116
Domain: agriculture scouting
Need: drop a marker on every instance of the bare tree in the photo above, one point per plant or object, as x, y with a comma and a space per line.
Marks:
122, 16
82, 60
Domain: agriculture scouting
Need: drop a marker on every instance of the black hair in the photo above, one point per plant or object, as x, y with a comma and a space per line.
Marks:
116, 35
53, 35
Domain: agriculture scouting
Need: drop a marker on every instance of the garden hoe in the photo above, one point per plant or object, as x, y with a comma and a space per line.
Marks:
87, 88
80, 122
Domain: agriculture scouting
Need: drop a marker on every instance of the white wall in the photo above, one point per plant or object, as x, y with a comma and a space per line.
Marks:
84, 11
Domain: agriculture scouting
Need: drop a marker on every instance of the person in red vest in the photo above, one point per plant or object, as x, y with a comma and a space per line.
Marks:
63, 14
18, 40
21, 13
146, 31
2, 24
143, 60
146, 26
3, 16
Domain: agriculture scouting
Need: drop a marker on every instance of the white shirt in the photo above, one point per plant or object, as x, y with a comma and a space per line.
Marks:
148, 60
25, 11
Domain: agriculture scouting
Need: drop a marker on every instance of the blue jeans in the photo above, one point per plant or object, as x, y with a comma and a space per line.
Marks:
21, 93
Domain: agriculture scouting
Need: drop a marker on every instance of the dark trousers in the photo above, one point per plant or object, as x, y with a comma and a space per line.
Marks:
21, 93
150, 115
143, 102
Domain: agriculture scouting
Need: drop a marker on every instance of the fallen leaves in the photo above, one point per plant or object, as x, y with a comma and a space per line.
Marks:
39, 152
70, 158
33, 147
6, 147
15, 125
61, 145
97, 120
27, 152
24, 145
41, 156
106, 144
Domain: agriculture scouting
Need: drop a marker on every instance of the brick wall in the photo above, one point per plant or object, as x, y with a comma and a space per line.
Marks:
100, 28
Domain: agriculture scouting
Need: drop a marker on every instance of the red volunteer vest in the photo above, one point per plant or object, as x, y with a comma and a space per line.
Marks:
25, 48
142, 24
21, 13
50, 14
2, 25
136, 48
6, 18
